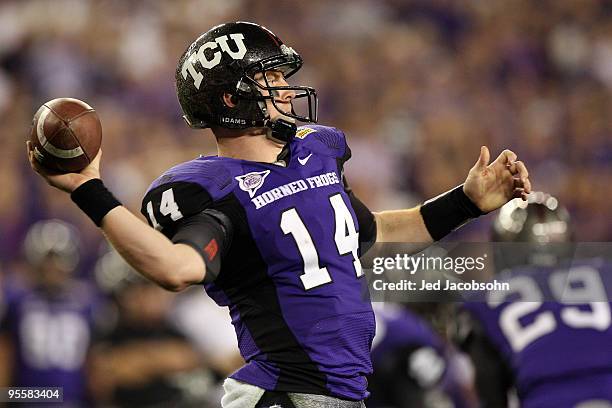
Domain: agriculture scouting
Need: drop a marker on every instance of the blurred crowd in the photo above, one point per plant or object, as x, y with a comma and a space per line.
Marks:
417, 85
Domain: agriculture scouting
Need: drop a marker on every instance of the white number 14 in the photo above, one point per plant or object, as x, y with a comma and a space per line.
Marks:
167, 206
346, 238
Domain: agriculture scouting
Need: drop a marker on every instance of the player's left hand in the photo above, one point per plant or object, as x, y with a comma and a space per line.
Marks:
490, 186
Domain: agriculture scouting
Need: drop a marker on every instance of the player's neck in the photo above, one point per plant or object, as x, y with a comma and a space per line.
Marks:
252, 147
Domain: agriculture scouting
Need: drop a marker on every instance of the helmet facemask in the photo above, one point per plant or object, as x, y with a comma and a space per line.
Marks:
250, 89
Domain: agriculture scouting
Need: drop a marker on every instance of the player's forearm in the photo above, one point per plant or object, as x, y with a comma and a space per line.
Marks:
172, 266
429, 222
403, 226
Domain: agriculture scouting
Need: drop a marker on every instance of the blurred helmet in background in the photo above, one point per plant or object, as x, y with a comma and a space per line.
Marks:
539, 230
140, 302
52, 239
225, 59
113, 275
540, 219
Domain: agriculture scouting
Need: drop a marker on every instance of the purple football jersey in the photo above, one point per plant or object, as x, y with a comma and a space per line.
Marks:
410, 359
397, 327
560, 352
51, 334
291, 276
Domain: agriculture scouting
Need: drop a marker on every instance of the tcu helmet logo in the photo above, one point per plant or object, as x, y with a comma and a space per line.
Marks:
220, 42
251, 182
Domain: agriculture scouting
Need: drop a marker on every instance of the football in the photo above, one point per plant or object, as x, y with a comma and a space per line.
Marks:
66, 135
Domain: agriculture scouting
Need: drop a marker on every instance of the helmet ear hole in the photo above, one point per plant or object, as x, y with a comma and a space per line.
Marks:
230, 100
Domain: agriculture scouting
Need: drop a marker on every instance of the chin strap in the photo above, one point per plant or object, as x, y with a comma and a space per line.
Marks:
281, 130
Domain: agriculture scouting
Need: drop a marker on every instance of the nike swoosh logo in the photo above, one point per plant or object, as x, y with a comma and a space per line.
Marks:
304, 160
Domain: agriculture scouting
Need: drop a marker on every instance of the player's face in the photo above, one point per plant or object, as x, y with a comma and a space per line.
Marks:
282, 98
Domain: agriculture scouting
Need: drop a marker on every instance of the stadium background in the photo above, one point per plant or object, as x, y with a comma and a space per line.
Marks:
417, 86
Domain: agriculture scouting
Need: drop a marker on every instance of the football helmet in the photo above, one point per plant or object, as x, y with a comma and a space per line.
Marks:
224, 60
540, 219
52, 237
537, 232
113, 274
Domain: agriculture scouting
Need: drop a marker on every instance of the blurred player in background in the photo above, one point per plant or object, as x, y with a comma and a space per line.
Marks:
50, 317
414, 364
217, 340
550, 337
270, 225
141, 361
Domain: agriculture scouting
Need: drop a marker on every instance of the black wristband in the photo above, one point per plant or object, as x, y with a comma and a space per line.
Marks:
94, 199
448, 212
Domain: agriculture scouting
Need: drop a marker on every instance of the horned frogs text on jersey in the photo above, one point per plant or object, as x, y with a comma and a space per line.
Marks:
291, 278
554, 331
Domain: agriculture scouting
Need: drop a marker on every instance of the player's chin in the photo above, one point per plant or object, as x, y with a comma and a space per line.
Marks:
283, 115
288, 118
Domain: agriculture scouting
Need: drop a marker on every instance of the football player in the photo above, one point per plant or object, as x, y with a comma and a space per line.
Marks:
549, 337
269, 225
50, 316
414, 366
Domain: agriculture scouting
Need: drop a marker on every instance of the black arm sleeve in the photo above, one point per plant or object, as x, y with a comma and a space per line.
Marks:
210, 234
365, 218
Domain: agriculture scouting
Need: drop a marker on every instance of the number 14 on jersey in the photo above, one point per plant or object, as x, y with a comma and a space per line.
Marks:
346, 238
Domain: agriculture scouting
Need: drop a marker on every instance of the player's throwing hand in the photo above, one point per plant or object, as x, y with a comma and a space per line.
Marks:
67, 182
490, 186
